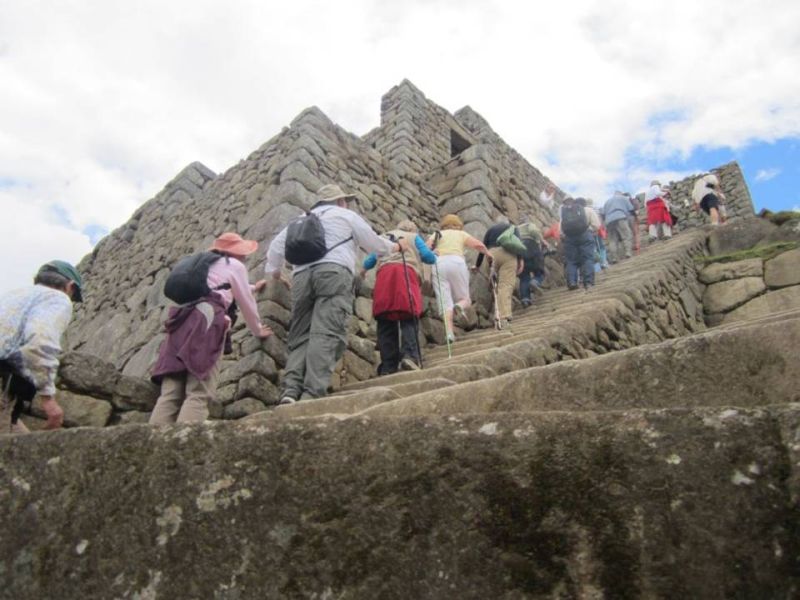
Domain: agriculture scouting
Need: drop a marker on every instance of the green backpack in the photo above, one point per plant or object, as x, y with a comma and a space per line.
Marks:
511, 243
529, 231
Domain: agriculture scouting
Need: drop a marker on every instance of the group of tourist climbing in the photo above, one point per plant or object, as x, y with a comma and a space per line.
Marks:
321, 247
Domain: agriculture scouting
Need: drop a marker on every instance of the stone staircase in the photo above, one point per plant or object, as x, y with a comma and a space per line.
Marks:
606, 445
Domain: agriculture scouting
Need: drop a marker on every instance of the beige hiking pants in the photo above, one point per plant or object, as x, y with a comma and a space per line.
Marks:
505, 264
184, 398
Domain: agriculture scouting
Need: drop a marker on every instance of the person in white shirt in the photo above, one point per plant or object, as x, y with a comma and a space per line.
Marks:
322, 293
547, 196
707, 195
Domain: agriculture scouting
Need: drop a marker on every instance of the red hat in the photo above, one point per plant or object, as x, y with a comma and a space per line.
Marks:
232, 243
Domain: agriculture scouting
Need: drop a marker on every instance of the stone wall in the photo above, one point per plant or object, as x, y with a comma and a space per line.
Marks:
752, 287
738, 202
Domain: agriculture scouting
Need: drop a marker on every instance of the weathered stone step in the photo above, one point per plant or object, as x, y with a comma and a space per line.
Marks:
639, 504
690, 371
748, 365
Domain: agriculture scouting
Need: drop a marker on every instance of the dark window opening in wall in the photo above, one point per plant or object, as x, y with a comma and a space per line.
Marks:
457, 144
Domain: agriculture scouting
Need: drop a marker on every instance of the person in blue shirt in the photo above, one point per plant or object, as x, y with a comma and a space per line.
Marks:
397, 300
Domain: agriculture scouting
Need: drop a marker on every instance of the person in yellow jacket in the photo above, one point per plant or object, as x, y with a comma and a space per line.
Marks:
451, 268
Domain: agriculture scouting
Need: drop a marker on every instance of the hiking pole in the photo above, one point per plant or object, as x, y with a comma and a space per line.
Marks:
441, 308
493, 284
411, 306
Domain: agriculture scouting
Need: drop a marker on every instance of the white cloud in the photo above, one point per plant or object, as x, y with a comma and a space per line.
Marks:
104, 102
767, 174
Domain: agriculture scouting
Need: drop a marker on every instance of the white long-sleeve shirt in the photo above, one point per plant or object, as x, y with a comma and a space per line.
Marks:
32, 321
339, 223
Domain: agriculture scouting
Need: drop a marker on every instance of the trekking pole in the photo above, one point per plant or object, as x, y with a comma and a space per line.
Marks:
441, 308
493, 285
413, 310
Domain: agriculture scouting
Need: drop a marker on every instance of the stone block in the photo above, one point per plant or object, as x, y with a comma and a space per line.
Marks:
134, 393
257, 362
772, 302
363, 309
726, 295
783, 270
243, 408
738, 235
254, 385
79, 410
715, 272
86, 373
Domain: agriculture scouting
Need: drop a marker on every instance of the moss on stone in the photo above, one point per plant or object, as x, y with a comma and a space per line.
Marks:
780, 217
765, 252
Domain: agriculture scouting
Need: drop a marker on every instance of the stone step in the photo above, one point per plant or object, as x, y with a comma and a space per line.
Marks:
684, 503
748, 365
752, 358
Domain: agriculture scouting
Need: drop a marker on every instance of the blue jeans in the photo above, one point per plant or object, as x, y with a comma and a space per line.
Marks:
579, 254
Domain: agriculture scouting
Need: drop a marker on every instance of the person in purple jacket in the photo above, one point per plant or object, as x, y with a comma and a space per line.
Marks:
188, 362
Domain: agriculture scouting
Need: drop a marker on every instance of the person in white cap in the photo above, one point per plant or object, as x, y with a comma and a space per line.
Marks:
322, 287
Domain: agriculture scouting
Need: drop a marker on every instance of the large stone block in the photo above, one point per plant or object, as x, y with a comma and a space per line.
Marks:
783, 270
738, 235
87, 374
770, 303
79, 410
726, 295
497, 506
715, 272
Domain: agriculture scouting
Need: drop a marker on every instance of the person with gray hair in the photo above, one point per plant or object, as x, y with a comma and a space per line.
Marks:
32, 321
397, 300
322, 288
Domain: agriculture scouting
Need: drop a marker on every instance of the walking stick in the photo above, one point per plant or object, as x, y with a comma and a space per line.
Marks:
493, 284
413, 309
441, 308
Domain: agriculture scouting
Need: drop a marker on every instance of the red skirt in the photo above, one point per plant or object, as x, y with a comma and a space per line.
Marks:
657, 212
396, 298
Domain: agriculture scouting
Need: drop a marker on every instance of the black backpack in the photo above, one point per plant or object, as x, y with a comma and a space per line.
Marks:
305, 240
573, 220
187, 280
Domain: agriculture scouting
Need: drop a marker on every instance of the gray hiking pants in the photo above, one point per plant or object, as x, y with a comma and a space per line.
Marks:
322, 303
620, 240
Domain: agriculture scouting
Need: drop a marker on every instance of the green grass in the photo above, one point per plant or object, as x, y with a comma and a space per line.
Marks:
762, 252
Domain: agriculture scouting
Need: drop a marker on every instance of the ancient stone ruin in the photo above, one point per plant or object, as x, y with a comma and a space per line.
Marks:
641, 440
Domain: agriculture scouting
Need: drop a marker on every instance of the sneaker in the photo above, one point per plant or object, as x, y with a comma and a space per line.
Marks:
526, 303
458, 311
409, 364
572, 286
287, 400
451, 338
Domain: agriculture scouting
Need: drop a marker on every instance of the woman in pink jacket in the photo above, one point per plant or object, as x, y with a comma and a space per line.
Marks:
188, 361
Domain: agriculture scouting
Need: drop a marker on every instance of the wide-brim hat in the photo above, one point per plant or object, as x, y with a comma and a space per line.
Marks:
65, 269
233, 243
332, 192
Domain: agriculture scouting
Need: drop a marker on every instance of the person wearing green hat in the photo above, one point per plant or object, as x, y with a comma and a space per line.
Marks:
32, 321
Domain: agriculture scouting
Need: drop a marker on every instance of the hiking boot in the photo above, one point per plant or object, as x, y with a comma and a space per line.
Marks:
409, 364
458, 311
450, 338
526, 303
287, 400
572, 286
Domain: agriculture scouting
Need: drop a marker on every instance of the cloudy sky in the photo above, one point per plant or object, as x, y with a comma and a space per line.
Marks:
104, 101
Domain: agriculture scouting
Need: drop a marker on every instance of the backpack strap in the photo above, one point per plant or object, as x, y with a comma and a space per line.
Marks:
337, 244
